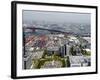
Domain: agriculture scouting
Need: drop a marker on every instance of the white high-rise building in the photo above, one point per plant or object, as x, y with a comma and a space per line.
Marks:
67, 50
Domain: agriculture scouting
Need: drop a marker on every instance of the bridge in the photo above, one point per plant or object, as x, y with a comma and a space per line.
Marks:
51, 30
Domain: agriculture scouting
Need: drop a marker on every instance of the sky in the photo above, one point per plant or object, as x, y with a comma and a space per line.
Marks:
62, 17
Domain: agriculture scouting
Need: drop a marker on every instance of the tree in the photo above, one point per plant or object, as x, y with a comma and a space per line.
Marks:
45, 52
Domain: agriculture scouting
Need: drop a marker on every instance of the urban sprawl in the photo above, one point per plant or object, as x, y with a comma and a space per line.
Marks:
53, 48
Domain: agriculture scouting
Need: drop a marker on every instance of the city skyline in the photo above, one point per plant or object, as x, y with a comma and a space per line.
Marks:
67, 22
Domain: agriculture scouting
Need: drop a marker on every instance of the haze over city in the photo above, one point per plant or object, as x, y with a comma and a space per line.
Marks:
64, 17
63, 21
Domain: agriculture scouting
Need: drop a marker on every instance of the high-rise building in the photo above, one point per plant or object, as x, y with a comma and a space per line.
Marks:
67, 49
64, 50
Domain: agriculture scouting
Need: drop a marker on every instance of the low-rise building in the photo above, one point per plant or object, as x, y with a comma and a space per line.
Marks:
78, 61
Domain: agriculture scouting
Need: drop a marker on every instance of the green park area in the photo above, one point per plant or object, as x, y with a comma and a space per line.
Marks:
48, 59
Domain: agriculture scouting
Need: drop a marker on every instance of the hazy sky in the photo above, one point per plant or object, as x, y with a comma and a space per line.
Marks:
30, 16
